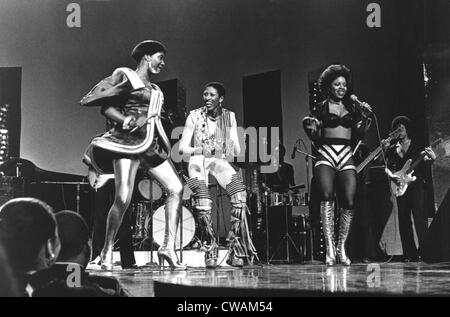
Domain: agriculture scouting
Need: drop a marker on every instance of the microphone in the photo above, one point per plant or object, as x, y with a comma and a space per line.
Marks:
359, 102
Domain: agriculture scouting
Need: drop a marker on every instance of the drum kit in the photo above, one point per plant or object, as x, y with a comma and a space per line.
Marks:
148, 212
287, 199
293, 197
148, 215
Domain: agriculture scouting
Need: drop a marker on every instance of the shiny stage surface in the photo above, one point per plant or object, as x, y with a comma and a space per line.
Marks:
375, 279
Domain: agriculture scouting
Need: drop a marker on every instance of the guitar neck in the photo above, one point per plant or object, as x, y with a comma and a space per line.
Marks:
369, 158
420, 158
415, 163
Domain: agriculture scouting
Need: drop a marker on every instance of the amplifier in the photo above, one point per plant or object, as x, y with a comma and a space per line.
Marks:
11, 187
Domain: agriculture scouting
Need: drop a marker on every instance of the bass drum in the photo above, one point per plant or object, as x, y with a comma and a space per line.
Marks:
144, 189
159, 225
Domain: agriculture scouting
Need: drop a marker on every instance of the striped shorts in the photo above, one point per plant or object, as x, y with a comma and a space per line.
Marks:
337, 154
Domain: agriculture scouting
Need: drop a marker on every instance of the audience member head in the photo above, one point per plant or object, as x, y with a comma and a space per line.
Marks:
29, 234
8, 285
74, 235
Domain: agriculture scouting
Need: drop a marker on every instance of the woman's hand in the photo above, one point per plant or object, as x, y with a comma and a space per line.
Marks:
131, 123
311, 123
128, 122
312, 127
197, 150
366, 107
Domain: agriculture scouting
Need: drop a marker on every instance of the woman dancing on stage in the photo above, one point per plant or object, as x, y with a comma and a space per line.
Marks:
332, 126
133, 105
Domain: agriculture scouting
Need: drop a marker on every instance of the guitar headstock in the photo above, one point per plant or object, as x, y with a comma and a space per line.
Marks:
395, 134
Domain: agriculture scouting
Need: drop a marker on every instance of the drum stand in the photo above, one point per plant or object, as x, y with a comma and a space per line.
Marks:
151, 263
308, 189
78, 188
266, 207
286, 238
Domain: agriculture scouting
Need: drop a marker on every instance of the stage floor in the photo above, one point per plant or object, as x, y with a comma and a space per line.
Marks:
375, 279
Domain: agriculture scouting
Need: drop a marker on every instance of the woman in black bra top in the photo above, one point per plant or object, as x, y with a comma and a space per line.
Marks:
331, 127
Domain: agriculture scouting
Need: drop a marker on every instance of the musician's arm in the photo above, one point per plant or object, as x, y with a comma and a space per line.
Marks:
185, 142
389, 169
234, 136
429, 154
312, 126
113, 114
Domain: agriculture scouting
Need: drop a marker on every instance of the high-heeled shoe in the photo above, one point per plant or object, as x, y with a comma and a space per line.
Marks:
171, 258
327, 217
166, 251
345, 222
106, 264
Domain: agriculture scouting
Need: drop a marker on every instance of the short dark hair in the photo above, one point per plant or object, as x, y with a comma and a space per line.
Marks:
73, 234
401, 120
26, 224
217, 86
148, 47
331, 73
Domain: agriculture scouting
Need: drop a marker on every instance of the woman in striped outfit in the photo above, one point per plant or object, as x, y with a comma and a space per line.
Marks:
332, 126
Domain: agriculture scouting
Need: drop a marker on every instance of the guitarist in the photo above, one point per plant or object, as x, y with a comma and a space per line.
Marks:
397, 154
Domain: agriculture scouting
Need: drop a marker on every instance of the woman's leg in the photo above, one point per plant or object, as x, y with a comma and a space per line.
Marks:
124, 175
197, 182
347, 188
324, 176
240, 242
166, 175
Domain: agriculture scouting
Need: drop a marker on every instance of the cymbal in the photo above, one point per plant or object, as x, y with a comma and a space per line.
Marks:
297, 187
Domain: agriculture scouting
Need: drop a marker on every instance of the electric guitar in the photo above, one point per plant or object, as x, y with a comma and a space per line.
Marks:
405, 174
97, 180
393, 135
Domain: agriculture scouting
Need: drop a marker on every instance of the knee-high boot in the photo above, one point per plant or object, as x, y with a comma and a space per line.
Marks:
241, 246
345, 221
202, 211
212, 248
327, 217
172, 218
